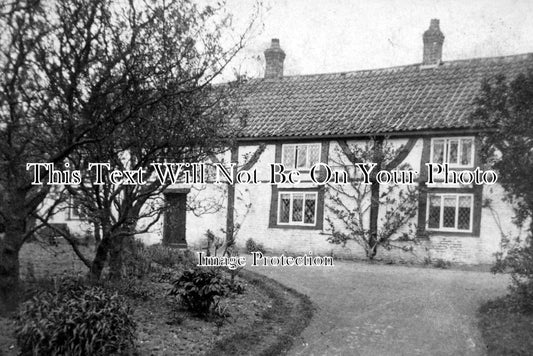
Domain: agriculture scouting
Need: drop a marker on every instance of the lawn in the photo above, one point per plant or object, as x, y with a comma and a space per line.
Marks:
262, 320
505, 331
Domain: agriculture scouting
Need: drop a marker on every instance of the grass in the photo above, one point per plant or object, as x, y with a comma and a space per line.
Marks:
505, 331
274, 333
265, 320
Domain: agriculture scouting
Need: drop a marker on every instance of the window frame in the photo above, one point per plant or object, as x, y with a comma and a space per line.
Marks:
296, 145
441, 212
459, 150
290, 222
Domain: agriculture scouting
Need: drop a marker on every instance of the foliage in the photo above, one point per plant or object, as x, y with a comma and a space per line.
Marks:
156, 262
200, 289
168, 256
237, 286
75, 320
352, 204
440, 263
506, 105
518, 259
504, 108
130, 287
136, 262
252, 246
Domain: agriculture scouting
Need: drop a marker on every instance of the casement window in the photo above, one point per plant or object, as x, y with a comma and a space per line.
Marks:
456, 151
450, 212
297, 208
300, 156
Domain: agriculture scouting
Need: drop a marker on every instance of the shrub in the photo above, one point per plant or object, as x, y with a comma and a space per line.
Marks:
143, 261
440, 263
169, 257
200, 289
237, 287
75, 320
136, 262
251, 246
130, 287
519, 261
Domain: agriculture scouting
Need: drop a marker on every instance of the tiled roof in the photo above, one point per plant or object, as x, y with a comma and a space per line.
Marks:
393, 100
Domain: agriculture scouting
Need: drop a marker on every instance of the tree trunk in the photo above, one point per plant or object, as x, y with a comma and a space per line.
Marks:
372, 249
10, 245
110, 246
230, 223
374, 212
230, 214
116, 255
97, 237
115, 260
374, 200
100, 257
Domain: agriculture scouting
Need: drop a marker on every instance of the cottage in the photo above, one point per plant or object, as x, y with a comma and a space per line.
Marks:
299, 121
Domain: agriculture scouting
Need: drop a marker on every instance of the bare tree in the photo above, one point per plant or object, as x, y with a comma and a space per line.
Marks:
56, 67
73, 73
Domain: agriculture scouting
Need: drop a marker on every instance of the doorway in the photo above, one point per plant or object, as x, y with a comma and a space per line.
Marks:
175, 217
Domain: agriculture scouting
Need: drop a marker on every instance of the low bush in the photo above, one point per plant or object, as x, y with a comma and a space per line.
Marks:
440, 263
200, 289
237, 287
136, 262
519, 262
252, 246
155, 260
75, 319
168, 256
130, 287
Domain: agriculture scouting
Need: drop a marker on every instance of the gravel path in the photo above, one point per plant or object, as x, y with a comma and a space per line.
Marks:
390, 310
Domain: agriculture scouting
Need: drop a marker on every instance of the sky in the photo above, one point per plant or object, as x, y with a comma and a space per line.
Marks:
324, 36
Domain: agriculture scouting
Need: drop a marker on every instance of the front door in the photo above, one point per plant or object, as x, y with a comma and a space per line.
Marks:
175, 217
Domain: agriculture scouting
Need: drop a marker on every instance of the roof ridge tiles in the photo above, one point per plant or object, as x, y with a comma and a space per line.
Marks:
362, 72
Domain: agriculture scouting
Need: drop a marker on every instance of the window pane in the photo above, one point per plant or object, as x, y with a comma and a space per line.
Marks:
453, 147
465, 206
466, 152
438, 151
302, 156
284, 207
310, 203
288, 156
297, 207
434, 212
448, 217
314, 155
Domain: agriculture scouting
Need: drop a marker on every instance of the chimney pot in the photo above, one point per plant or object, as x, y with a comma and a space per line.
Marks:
274, 57
433, 39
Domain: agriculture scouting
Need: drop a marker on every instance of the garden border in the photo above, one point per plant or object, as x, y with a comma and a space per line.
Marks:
277, 330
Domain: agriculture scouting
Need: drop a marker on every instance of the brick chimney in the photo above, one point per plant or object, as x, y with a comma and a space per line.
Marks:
274, 57
433, 40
